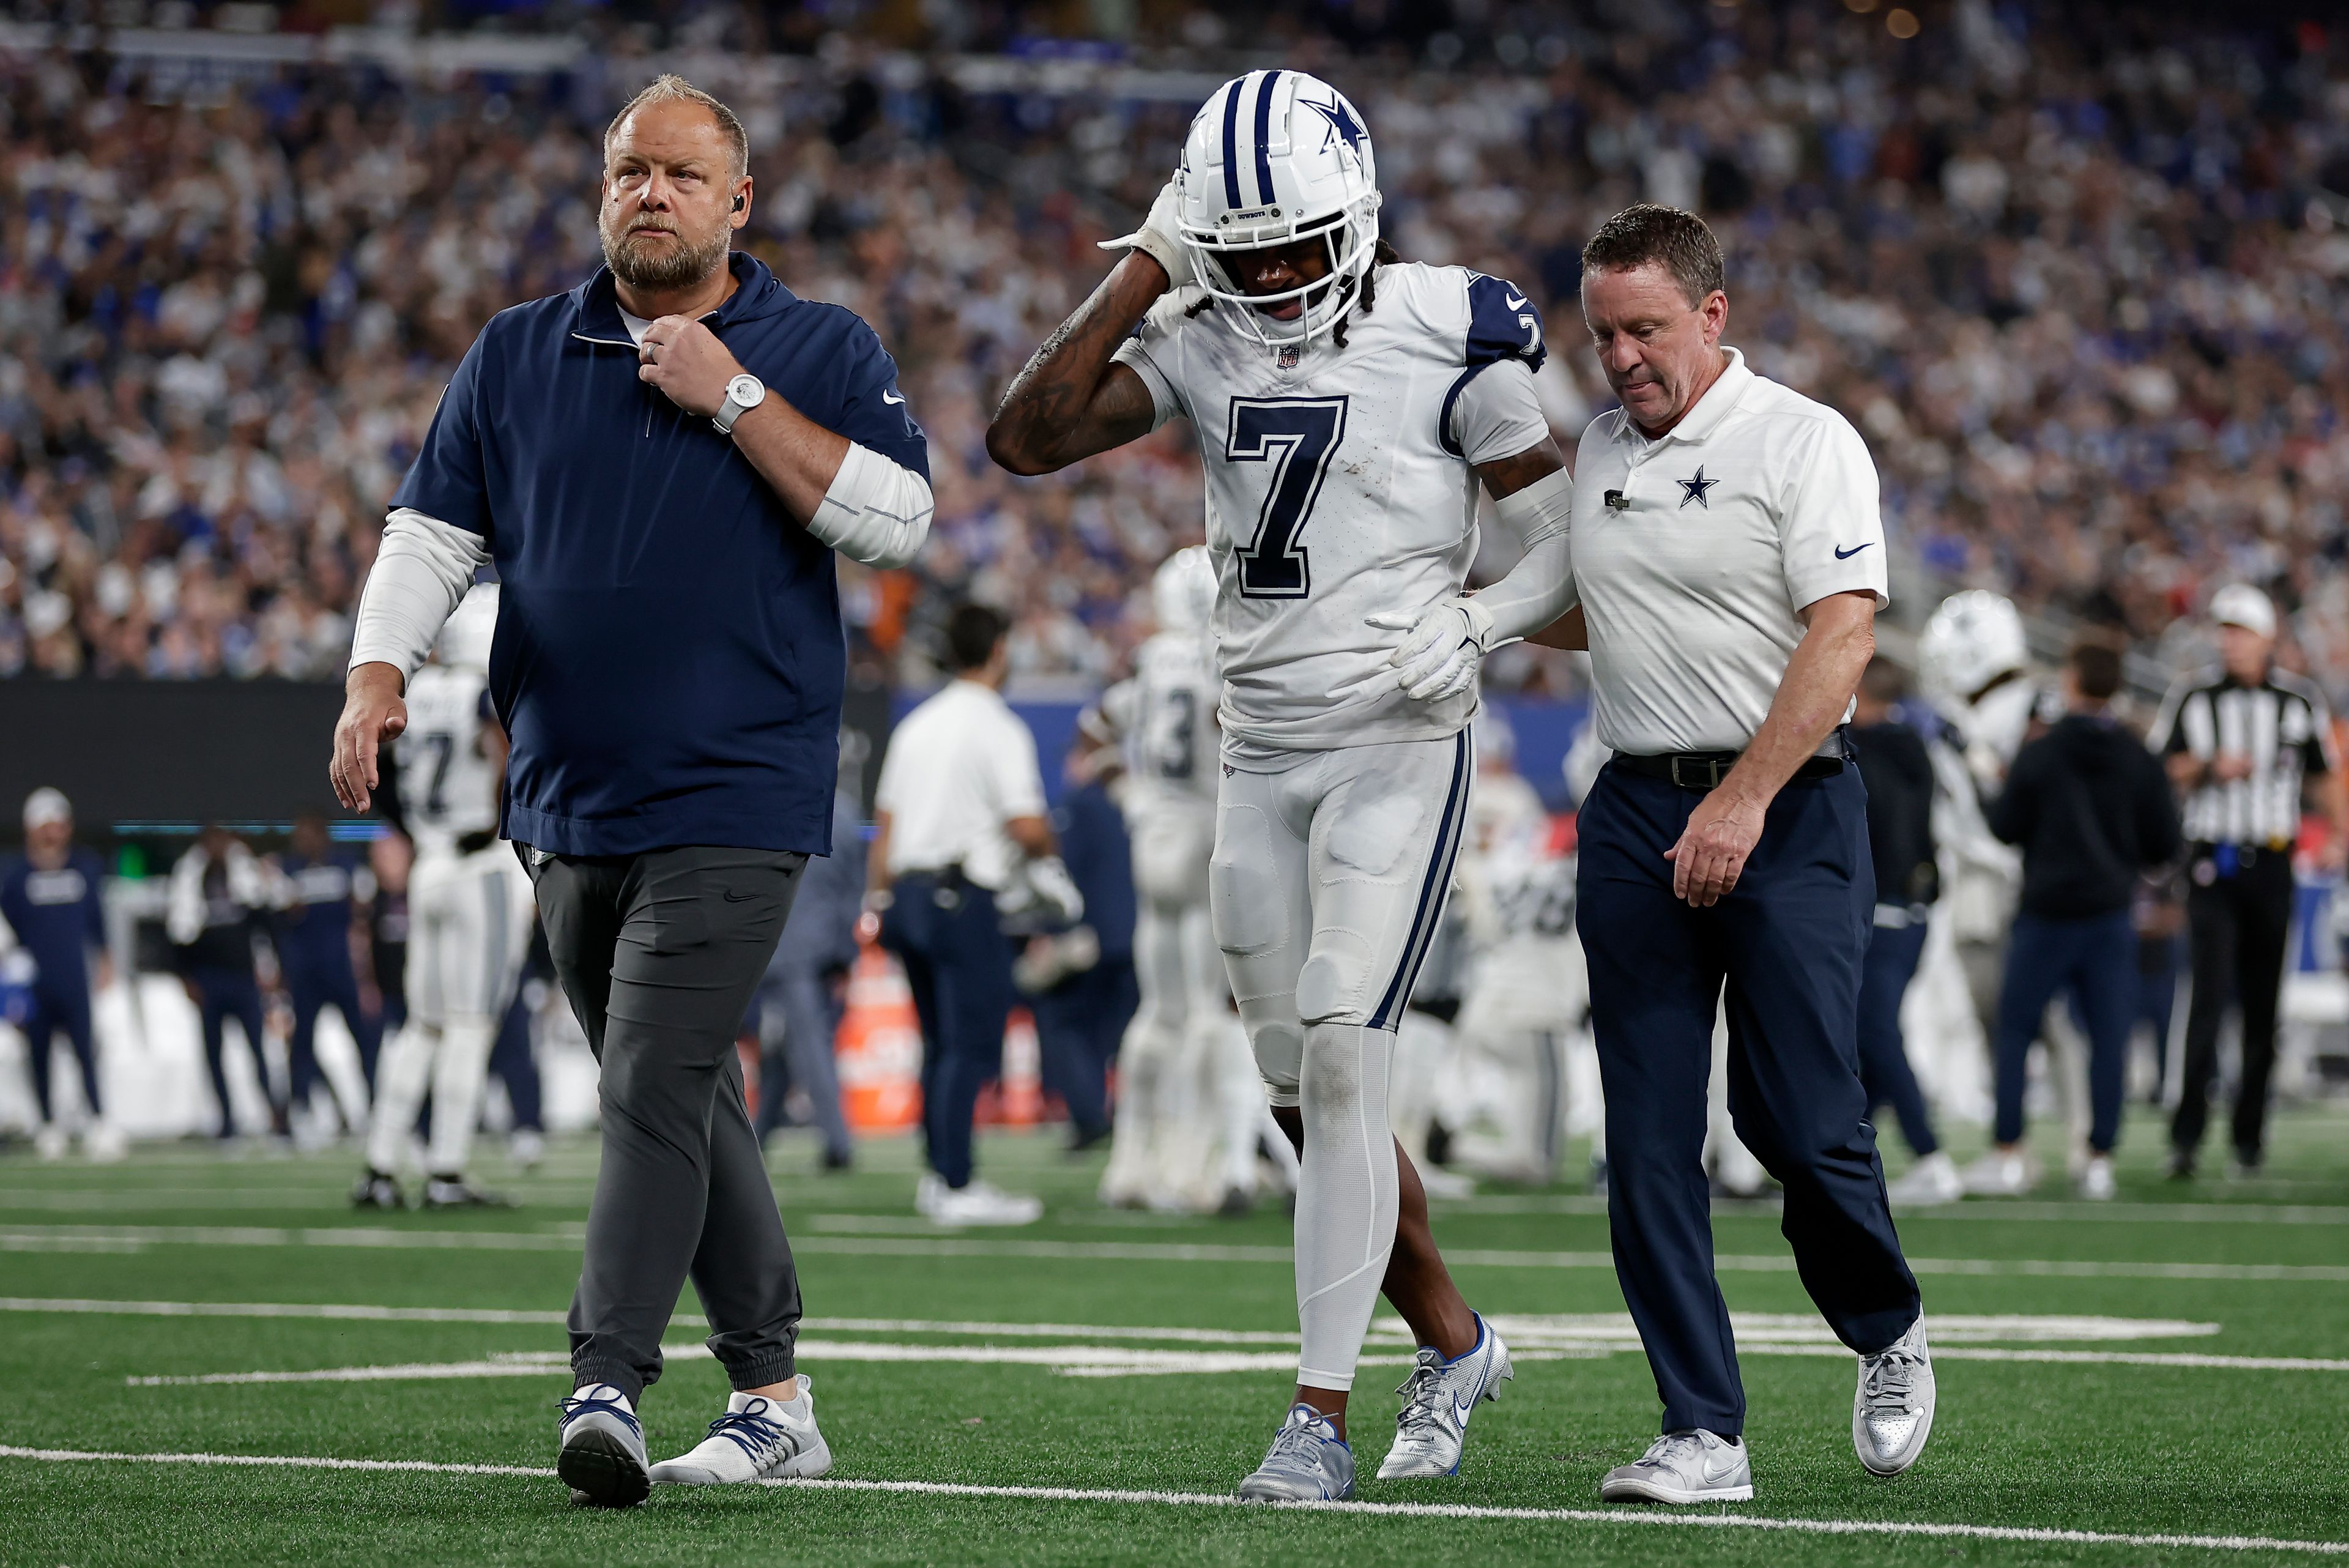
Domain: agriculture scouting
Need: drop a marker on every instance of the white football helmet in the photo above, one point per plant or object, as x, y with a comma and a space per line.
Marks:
1974, 638
471, 628
1182, 593
1274, 157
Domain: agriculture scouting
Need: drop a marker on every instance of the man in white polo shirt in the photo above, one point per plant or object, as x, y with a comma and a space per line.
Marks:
1728, 562
960, 841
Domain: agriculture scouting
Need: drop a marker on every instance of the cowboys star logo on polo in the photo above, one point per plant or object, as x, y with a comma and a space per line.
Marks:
1695, 489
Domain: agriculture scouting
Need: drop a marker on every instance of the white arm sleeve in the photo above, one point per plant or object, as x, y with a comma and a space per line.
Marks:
876, 512
1540, 587
422, 568
1498, 413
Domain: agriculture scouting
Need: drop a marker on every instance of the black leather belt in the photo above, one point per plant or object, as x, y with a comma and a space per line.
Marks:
1705, 770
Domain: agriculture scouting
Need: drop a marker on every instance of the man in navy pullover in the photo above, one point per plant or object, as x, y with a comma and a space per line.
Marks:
49, 897
659, 464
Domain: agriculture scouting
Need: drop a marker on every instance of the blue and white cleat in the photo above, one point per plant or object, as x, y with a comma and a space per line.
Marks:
1308, 1463
756, 1440
1437, 1399
1892, 1408
603, 1452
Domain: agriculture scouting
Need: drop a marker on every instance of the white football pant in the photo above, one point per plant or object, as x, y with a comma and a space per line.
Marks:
468, 934
1331, 873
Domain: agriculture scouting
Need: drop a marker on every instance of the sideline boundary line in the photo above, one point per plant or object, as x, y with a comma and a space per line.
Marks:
1218, 1500
133, 1238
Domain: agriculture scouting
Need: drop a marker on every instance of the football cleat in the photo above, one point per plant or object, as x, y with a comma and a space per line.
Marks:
757, 1438
1683, 1467
1308, 1463
378, 1189
1892, 1410
602, 1457
1437, 1399
456, 1192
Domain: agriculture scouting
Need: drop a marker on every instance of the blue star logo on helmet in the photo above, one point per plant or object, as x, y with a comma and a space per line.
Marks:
1342, 119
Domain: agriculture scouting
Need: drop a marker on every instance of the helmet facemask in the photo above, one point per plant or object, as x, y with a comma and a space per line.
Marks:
1349, 238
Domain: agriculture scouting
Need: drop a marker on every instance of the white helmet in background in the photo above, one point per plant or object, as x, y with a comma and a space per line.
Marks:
1274, 157
470, 628
1974, 638
1182, 593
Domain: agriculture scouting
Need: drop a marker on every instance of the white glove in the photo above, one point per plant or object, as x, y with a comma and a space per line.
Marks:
1447, 643
1042, 892
1160, 237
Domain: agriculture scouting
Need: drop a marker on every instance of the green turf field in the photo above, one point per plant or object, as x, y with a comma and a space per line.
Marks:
2111, 1377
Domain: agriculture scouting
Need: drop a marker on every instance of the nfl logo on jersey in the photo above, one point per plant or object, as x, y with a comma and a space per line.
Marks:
1286, 358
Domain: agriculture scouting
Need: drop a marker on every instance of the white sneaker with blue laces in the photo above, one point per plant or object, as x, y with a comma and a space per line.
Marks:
1308, 1463
1437, 1399
757, 1438
1693, 1465
1892, 1410
601, 1455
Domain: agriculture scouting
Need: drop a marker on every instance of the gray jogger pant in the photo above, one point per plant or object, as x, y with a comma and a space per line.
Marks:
659, 953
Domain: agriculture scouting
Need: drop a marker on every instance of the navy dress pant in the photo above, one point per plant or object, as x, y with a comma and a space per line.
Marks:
1079, 1024
1884, 1070
958, 965
1788, 943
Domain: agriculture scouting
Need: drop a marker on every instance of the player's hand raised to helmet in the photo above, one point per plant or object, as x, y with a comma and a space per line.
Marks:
1161, 236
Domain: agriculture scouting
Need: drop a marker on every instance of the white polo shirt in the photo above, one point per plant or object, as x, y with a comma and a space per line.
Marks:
959, 766
1757, 504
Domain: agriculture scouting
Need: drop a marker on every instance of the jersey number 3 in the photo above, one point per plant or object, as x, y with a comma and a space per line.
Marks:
1296, 437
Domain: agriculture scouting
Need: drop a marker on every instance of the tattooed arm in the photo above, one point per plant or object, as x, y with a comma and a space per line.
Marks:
1071, 400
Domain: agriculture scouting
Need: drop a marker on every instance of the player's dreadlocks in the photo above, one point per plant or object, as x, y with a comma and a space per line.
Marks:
1382, 254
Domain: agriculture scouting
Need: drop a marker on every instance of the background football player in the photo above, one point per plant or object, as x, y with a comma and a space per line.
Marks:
1346, 404
470, 912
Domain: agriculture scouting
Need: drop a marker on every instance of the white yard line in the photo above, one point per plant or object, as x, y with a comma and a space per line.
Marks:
566, 1237
1648, 1517
2219, 1213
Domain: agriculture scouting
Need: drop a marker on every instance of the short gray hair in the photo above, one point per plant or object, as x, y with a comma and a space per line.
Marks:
672, 89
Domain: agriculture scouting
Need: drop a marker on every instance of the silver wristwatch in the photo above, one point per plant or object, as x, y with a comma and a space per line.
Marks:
743, 393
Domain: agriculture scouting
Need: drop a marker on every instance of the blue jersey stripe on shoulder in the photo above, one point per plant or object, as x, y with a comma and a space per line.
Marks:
1503, 324
1232, 144
1264, 139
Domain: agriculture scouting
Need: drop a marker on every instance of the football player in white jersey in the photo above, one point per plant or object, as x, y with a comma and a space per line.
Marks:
468, 909
1347, 405
1171, 1090
1974, 662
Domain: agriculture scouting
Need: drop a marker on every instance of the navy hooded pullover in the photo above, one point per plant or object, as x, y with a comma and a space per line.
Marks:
669, 656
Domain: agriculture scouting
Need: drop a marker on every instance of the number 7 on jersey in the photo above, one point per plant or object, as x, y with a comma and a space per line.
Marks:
1297, 436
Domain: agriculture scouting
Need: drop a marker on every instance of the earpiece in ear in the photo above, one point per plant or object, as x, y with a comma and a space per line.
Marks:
738, 204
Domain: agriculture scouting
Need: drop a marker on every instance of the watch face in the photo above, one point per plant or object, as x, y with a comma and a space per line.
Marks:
745, 389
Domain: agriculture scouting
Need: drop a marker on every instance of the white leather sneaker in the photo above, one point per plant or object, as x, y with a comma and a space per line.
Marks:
2002, 1175
1932, 1180
1683, 1467
757, 1438
2096, 1183
1892, 1410
982, 1203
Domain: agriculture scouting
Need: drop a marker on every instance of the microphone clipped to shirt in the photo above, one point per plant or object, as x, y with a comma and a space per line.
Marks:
1617, 502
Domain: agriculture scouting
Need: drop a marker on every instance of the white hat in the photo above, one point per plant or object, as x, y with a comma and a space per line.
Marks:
2239, 604
46, 805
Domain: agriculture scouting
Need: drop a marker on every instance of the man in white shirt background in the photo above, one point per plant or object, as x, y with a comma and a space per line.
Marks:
961, 839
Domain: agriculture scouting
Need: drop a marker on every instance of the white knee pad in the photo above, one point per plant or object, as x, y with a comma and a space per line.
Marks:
1347, 1198
1279, 1045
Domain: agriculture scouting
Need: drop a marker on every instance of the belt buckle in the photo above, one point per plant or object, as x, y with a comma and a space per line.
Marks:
1710, 764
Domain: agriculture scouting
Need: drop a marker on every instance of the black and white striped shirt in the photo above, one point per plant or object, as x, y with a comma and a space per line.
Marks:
2280, 724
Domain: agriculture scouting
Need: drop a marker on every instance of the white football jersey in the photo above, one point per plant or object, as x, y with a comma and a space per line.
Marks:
1341, 484
448, 788
1170, 721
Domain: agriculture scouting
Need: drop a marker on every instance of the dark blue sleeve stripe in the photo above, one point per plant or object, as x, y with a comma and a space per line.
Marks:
1443, 414
1432, 892
1264, 139
1232, 144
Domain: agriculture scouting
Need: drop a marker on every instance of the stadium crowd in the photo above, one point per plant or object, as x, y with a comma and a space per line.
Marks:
2082, 288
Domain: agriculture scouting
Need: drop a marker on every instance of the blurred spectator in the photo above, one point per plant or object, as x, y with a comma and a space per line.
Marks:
217, 898
49, 897
2079, 274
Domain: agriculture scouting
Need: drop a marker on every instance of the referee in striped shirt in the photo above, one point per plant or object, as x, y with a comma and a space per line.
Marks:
2242, 741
